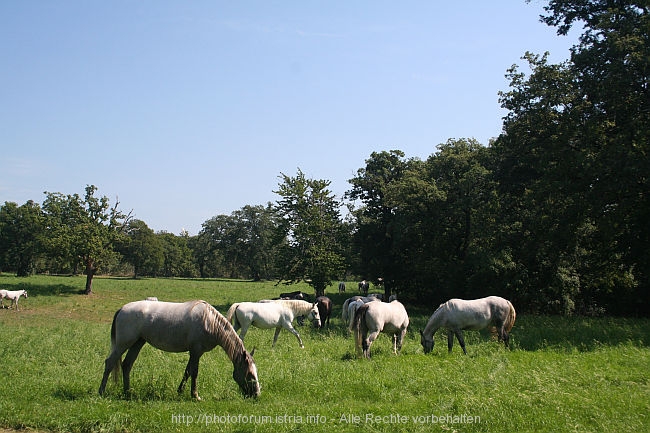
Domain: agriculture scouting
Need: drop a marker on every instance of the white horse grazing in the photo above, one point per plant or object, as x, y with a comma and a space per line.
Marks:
458, 314
13, 296
375, 317
195, 327
347, 318
276, 314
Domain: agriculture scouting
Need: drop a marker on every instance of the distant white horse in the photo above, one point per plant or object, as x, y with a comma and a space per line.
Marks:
13, 296
345, 311
458, 314
375, 317
195, 327
276, 314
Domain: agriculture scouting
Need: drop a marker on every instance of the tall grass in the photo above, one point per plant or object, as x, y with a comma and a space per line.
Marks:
561, 374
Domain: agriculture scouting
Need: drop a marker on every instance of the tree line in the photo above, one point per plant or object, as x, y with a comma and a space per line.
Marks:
552, 214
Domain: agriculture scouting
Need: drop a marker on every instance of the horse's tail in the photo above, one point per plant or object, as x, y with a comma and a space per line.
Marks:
358, 325
231, 316
510, 319
344, 312
118, 364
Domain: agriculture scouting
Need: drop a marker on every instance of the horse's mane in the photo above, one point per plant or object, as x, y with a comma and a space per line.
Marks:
295, 305
434, 318
216, 324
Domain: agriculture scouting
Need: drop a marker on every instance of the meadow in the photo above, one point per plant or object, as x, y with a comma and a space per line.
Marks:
560, 374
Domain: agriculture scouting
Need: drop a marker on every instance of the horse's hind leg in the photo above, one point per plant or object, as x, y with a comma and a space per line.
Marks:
275, 335
127, 364
367, 342
399, 338
242, 334
110, 364
504, 336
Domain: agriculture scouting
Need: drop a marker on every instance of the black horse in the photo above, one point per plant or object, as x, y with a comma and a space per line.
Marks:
295, 295
363, 287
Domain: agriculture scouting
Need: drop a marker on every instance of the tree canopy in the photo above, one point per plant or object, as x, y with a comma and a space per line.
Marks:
553, 213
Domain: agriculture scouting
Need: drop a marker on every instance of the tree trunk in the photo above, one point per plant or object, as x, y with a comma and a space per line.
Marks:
90, 273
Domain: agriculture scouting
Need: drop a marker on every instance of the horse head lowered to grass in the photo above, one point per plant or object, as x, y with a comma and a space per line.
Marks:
458, 314
195, 327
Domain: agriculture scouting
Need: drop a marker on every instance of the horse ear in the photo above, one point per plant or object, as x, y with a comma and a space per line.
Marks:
253, 351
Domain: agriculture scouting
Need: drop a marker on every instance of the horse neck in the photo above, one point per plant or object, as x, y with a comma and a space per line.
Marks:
298, 307
225, 335
435, 322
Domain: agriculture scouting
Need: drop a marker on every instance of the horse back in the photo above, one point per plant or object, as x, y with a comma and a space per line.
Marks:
476, 314
389, 316
169, 326
264, 314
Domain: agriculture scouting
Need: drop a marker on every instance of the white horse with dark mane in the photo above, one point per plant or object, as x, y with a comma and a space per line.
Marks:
195, 327
457, 315
375, 317
13, 296
278, 314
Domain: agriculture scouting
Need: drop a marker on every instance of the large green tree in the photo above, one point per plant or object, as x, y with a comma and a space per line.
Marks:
141, 248
258, 239
21, 231
177, 255
573, 162
239, 245
310, 223
83, 230
376, 228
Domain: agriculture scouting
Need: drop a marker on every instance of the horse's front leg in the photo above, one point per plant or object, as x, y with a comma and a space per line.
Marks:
192, 370
450, 339
461, 341
291, 329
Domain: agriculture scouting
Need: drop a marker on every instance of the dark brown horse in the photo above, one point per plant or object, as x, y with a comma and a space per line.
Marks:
324, 305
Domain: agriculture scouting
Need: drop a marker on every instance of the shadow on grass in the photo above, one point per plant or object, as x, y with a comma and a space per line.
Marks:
578, 333
44, 289
70, 393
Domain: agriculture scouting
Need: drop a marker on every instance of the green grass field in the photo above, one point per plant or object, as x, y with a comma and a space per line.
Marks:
561, 374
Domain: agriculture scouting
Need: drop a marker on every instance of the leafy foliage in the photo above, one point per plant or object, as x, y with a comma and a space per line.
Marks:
310, 224
82, 230
552, 214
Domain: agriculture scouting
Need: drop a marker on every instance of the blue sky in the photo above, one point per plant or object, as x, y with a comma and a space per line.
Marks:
189, 109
